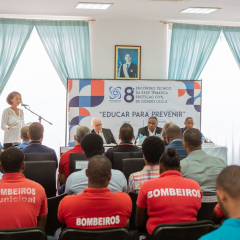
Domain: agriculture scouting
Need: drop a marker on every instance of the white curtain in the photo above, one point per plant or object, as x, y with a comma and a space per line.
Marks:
220, 100
36, 79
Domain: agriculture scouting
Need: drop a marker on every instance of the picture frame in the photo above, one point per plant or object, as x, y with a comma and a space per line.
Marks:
127, 62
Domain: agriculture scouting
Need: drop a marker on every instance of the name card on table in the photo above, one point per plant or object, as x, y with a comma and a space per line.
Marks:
81, 164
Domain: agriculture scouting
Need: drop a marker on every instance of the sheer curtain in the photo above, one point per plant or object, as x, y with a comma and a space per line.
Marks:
220, 100
36, 79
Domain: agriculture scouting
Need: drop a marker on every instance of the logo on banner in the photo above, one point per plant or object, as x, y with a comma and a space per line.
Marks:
193, 89
115, 93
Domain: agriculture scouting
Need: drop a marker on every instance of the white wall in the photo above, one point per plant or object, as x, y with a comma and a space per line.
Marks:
150, 35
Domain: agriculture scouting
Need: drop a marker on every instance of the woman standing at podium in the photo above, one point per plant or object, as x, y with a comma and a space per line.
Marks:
10, 120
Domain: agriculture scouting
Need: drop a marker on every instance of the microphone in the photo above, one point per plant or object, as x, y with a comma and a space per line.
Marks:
24, 105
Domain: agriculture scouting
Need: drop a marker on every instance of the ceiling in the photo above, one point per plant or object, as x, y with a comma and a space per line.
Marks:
124, 9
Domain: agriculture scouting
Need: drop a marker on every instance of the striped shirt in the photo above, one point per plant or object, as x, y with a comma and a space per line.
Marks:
138, 178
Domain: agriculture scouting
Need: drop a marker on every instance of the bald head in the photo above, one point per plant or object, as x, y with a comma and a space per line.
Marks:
173, 132
99, 172
24, 132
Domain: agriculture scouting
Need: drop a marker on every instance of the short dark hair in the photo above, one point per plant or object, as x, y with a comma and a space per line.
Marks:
165, 127
153, 148
99, 168
153, 117
24, 132
229, 181
92, 145
192, 137
35, 131
126, 132
12, 159
188, 118
174, 132
11, 96
170, 159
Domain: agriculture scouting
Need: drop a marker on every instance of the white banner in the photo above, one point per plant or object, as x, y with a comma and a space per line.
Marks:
124, 101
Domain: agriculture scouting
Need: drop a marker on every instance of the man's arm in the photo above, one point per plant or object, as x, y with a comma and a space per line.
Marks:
41, 221
141, 218
62, 178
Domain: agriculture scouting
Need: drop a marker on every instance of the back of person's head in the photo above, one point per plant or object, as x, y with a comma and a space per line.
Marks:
99, 170
92, 145
126, 133
228, 188
170, 161
35, 131
12, 160
152, 149
165, 127
174, 132
192, 137
24, 132
81, 132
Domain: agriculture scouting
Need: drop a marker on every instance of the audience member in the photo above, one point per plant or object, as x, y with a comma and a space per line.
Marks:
96, 207
174, 139
163, 133
24, 137
35, 134
152, 149
92, 145
105, 133
228, 193
23, 202
169, 198
126, 136
188, 124
81, 132
198, 165
218, 215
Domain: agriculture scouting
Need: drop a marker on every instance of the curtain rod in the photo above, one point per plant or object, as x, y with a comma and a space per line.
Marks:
164, 22
33, 19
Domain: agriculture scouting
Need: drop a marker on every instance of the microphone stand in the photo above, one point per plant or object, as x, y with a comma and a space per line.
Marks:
39, 117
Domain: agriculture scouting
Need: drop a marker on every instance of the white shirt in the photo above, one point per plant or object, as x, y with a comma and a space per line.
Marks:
102, 135
152, 133
9, 116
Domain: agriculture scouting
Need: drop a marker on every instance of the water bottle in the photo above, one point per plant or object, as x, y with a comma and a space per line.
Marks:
203, 139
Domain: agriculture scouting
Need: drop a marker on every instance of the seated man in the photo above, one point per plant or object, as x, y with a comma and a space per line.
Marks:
35, 134
126, 136
96, 207
174, 139
80, 133
92, 145
151, 129
24, 137
169, 198
163, 132
152, 149
188, 124
198, 165
23, 202
105, 133
228, 193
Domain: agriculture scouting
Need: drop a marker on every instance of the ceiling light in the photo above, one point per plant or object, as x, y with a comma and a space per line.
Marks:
101, 6
200, 10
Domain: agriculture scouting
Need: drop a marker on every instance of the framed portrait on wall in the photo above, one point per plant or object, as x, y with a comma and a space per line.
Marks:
127, 62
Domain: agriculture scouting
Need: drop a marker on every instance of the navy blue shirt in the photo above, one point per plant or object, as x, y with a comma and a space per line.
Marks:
37, 147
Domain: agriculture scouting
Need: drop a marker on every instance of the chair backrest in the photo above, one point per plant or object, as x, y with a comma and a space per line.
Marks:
103, 234
75, 162
44, 173
209, 201
35, 233
182, 231
132, 165
39, 157
52, 219
133, 197
119, 156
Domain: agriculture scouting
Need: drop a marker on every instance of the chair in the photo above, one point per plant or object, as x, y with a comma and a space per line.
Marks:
35, 233
39, 157
209, 201
52, 220
182, 231
132, 165
44, 173
103, 234
74, 158
133, 197
119, 156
